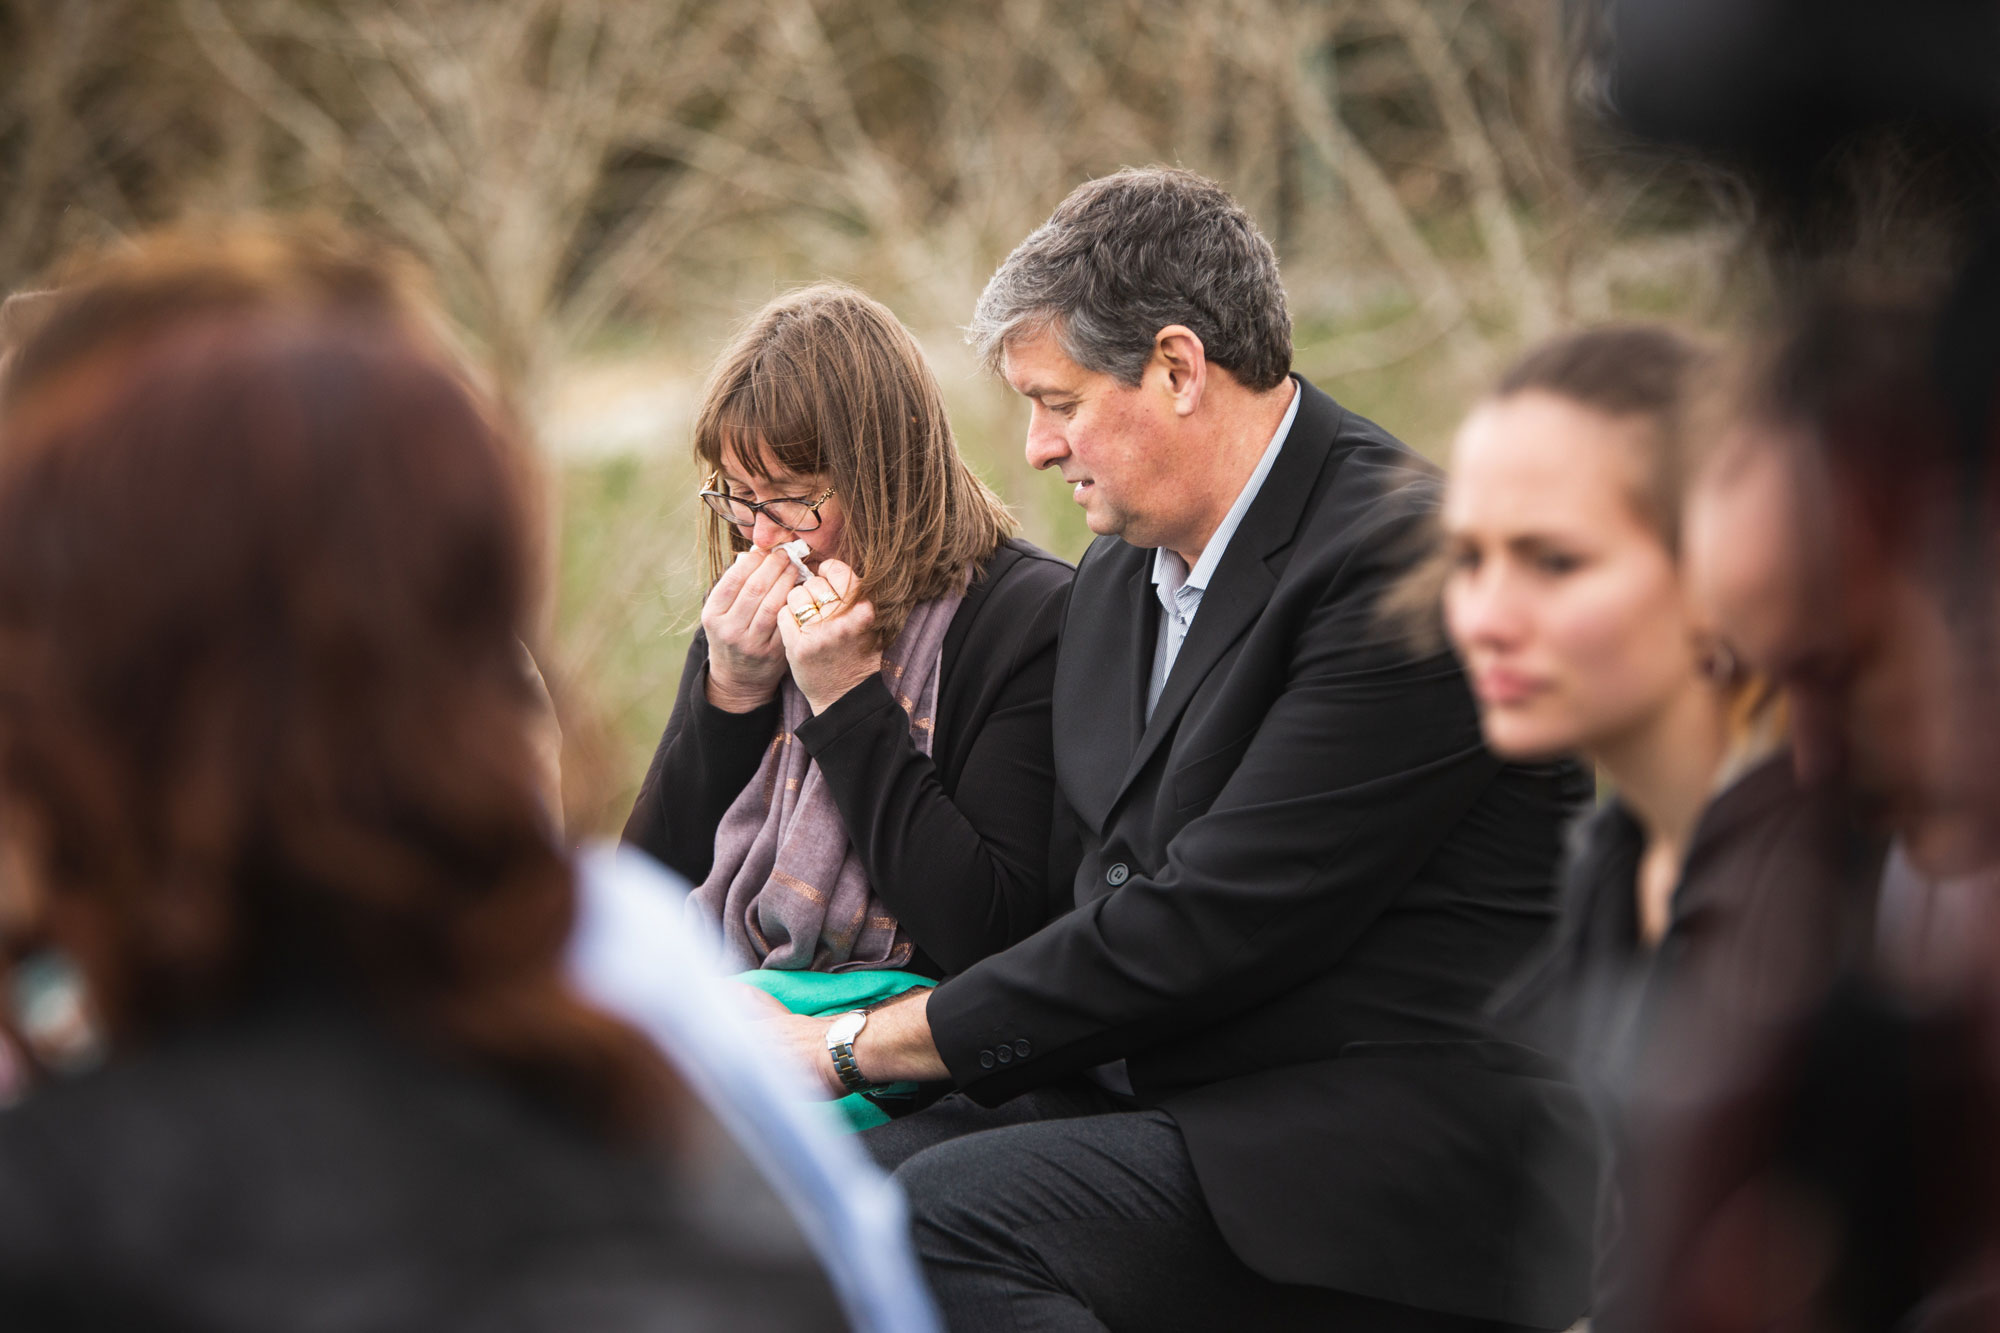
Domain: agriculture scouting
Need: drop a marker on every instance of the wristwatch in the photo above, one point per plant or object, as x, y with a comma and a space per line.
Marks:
840, 1045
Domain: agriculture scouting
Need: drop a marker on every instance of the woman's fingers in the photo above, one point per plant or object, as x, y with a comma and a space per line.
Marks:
838, 578
765, 619
758, 578
789, 630
732, 578
774, 571
833, 584
730, 586
832, 651
820, 590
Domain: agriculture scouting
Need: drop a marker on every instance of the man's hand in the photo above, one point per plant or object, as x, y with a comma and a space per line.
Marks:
894, 1046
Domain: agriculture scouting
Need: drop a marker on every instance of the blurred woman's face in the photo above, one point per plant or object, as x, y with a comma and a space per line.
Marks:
741, 480
1562, 600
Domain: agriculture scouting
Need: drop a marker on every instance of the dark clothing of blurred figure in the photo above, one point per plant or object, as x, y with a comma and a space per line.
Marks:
1849, 1181
1773, 898
1300, 881
303, 1170
262, 703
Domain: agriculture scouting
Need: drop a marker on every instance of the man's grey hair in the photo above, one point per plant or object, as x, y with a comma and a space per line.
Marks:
1125, 256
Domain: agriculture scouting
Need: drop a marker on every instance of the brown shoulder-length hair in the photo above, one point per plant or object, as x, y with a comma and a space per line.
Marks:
264, 558
827, 381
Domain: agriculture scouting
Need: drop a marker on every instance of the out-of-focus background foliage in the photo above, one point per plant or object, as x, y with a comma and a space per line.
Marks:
603, 188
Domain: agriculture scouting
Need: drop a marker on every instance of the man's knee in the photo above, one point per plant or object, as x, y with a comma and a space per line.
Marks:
949, 1190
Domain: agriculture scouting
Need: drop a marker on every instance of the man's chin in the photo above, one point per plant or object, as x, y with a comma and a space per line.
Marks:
1103, 523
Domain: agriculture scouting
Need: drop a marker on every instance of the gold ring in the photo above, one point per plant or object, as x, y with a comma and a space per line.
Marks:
805, 614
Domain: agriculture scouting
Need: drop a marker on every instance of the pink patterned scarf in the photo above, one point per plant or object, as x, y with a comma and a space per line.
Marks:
786, 884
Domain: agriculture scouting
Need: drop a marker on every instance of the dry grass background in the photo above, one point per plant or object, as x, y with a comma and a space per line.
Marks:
602, 188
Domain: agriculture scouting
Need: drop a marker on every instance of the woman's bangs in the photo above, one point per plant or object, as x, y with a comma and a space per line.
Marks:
771, 430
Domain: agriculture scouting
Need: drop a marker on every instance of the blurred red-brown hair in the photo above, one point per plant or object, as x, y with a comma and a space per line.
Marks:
264, 559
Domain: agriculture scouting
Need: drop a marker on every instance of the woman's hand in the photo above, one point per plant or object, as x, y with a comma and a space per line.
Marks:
800, 1038
746, 657
835, 649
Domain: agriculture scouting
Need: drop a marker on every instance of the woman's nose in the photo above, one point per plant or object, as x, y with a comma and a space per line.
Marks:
1482, 608
764, 534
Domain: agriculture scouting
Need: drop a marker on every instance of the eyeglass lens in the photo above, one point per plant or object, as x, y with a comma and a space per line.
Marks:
797, 515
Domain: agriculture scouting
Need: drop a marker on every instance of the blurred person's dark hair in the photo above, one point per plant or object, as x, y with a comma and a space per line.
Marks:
1851, 375
1128, 254
265, 556
1865, 135
133, 292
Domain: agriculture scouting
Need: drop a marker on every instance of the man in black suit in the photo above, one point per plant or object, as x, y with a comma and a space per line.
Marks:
1245, 1081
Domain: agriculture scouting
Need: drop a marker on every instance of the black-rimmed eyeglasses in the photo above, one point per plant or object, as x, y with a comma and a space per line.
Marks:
794, 513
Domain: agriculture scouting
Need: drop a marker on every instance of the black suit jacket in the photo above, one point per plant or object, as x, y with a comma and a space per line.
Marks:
956, 842
1297, 888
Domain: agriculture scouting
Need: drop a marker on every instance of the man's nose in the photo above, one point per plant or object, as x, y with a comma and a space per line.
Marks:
1046, 445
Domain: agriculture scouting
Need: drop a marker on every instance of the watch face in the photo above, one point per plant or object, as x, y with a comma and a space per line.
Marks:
845, 1028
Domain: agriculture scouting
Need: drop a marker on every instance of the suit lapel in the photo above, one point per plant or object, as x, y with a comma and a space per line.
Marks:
1143, 640
1107, 659
1244, 580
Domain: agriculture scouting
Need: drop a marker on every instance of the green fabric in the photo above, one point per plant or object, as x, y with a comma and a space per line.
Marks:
824, 994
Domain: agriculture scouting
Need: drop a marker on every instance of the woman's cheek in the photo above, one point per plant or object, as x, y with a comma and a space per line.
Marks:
1626, 649
826, 542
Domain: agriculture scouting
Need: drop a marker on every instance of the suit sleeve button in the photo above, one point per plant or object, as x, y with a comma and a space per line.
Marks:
1118, 874
1021, 1048
1003, 1053
986, 1059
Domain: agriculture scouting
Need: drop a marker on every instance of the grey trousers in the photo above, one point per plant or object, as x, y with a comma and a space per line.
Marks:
1065, 1210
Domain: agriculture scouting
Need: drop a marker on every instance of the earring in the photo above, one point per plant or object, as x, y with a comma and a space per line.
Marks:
1718, 662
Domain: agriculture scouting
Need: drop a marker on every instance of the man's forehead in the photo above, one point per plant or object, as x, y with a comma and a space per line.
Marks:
1035, 364
1744, 546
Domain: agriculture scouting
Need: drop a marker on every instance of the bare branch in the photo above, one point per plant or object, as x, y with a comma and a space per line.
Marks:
1491, 209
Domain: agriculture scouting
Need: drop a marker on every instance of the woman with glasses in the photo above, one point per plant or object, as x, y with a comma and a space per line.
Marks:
857, 769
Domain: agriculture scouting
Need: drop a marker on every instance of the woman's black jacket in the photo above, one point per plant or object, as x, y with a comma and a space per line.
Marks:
957, 843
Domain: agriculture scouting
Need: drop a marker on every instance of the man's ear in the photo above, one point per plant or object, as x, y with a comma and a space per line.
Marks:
1182, 364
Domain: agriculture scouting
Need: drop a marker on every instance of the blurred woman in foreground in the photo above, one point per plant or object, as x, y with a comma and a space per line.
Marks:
1564, 595
266, 769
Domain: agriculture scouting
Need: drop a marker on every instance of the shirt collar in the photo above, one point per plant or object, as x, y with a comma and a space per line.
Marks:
1170, 572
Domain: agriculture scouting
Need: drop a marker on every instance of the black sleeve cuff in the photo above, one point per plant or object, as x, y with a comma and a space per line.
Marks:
860, 707
722, 730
